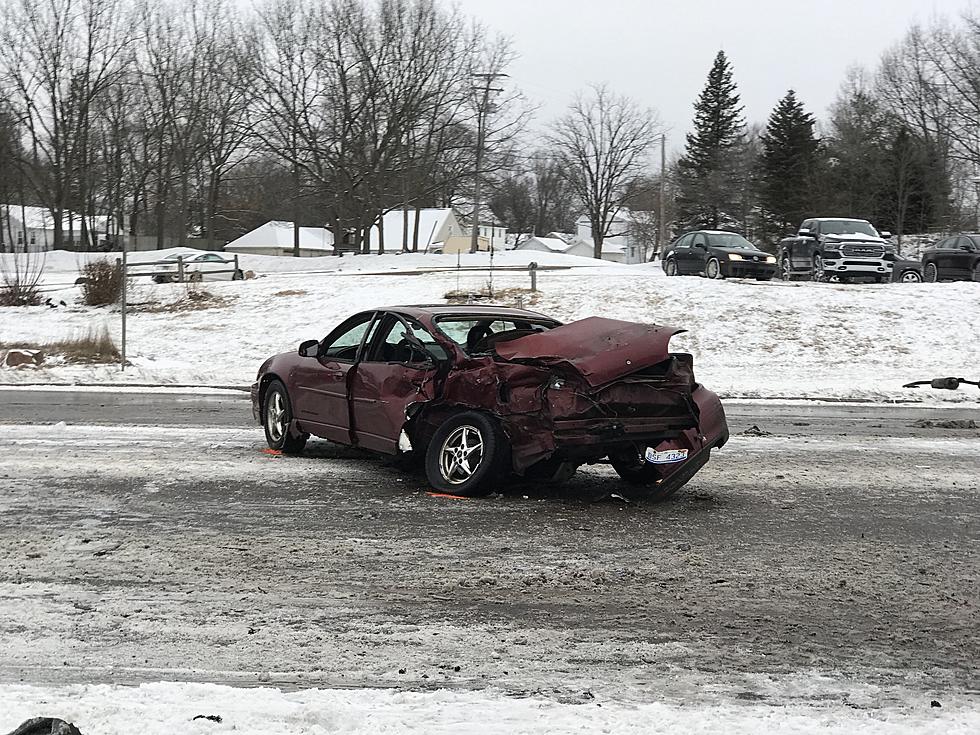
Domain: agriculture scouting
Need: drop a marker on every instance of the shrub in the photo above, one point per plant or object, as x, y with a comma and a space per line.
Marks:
102, 282
20, 278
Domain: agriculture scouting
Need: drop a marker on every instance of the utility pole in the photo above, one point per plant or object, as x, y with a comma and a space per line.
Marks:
662, 238
483, 107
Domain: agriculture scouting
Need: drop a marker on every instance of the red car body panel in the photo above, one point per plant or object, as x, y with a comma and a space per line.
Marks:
576, 392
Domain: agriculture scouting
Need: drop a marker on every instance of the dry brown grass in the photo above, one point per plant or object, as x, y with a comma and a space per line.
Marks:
290, 292
505, 297
92, 348
196, 299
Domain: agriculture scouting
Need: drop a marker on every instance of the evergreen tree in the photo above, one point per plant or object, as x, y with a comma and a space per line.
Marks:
787, 165
710, 174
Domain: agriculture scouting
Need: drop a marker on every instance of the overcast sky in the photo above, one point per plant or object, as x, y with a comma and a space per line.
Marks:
659, 51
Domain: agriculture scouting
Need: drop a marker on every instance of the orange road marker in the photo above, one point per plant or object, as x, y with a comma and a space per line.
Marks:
447, 495
273, 452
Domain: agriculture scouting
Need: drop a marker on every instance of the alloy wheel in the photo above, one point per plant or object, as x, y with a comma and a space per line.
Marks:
911, 277
275, 416
461, 454
818, 273
784, 269
932, 274
712, 269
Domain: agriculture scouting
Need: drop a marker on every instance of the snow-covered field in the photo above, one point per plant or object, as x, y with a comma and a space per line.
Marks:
749, 339
165, 708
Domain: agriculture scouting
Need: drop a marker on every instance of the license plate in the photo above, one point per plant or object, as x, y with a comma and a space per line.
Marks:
668, 456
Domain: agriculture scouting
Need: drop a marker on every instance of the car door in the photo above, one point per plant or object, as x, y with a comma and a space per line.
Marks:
961, 259
698, 253
398, 369
320, 395
682, 254
800, 255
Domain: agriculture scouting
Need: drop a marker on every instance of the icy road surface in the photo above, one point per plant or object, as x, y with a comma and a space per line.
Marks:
794, 570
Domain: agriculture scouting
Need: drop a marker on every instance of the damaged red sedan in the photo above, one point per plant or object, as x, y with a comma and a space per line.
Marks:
486, 392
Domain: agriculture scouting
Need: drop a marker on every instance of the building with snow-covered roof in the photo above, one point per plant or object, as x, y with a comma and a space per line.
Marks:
33, 227
276, 238
630, 235
556, 245
436, 226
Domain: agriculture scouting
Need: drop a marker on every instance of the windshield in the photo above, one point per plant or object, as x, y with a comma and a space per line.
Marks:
847, 227
478, 334
730, 240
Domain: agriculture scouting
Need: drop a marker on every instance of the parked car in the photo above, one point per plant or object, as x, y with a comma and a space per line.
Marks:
206, 266
838, 248
907, 271
481, 392
716, 254
955, 258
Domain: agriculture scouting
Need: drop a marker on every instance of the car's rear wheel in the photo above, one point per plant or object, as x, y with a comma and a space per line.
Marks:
931, 273
277, 417
670, 267
976, 272
713, 269
910, 276
635, 470
466, 455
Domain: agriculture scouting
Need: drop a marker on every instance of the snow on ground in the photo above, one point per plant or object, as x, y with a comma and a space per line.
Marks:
164, 708
749, 339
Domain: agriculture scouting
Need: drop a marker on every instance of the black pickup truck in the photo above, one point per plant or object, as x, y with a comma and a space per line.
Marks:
830, 247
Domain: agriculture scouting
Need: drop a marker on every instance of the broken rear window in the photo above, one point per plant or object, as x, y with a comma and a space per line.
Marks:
476, 334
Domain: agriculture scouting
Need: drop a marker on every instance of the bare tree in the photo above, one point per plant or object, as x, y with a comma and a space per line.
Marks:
603, 142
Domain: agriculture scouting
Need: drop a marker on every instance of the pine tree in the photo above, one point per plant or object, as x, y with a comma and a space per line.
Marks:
709, 178
787, 165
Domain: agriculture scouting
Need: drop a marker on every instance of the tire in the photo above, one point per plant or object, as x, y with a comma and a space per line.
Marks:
817, 273
976, 272
238, 276
785, 269
643, 476
712, 269
670, 267
461, 440
931, 273
910, 276
277, 415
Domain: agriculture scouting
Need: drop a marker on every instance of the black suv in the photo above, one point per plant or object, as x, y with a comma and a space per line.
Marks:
716, 254
955, 258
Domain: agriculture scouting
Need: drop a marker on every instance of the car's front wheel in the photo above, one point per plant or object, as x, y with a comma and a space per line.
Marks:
931, 273
910, 276
976, 272
670, 267
277, 417
713, 269
817, 272
467, 455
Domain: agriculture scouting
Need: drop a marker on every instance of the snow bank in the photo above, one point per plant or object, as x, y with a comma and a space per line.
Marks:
165, 708
749, 339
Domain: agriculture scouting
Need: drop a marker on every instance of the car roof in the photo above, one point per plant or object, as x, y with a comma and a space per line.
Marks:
838, 219
441, 310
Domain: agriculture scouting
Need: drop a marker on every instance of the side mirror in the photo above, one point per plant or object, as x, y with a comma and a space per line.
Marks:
885, 235
804, 233
309, 348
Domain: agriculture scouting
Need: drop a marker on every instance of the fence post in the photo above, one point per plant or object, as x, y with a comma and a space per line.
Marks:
121, 265
180, 268
532, 268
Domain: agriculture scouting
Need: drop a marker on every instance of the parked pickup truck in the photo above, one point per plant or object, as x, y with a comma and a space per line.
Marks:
829, 247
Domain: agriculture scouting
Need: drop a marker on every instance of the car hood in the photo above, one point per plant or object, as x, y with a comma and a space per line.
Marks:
744, 252
855, 238
601, 350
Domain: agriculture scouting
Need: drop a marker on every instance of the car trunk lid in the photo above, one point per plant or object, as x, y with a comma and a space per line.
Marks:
600, 350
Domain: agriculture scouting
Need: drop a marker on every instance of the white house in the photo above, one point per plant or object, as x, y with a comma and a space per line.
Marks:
627, 234
34, 226
276, 238
435, 228
556, 245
